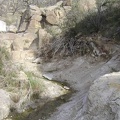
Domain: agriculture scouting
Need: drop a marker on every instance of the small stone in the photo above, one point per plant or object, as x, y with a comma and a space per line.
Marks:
37, 61
65, 87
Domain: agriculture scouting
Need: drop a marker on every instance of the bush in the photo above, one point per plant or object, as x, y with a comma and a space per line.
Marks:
105, 21
79, 25
35, 82
7, 71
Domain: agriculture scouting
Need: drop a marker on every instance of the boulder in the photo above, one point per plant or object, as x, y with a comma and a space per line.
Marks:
12, 28
52, 18
23, 41
37, 61
56, 13
3, 27
55, 16
30, 19
34, 26
104, 98
36, 17
6, 40
5, 103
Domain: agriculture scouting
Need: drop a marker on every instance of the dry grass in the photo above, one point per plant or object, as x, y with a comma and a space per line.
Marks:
36, 84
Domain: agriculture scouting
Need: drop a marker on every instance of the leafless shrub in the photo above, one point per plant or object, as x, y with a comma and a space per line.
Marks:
13, 6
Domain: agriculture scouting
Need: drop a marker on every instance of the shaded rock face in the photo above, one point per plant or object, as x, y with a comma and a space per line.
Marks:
32, 18
104, 98
5, 103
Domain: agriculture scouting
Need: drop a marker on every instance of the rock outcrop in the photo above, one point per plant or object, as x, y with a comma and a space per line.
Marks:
81, 75
57, 13
104, 98
34, 17
40, 25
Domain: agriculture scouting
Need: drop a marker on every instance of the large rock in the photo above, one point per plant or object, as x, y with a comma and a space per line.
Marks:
55, 14
104, 98
23, 41
30, 19
12, 28
35, 14
6, 40
5, 103
23, 55
3, 27
34, 25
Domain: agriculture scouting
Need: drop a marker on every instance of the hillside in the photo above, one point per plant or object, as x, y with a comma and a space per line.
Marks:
59, 60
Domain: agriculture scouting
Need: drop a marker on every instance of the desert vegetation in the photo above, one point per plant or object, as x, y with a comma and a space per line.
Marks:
57, 34
7, 71
83, 26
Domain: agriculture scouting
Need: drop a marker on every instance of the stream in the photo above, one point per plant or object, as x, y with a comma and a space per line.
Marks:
45, 111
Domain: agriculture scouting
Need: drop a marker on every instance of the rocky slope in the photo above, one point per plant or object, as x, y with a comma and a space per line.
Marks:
81, 74
96, 97
24, 86
103, 98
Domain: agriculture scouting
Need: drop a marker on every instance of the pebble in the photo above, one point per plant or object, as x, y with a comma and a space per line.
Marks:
65, 87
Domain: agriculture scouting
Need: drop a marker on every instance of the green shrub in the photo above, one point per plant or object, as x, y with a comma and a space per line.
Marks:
106, 20
4, 56
35, 82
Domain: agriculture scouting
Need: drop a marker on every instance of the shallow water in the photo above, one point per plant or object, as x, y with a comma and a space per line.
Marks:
45, 111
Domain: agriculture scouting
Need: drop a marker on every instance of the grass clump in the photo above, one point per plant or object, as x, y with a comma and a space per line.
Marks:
8, 72
36, 84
